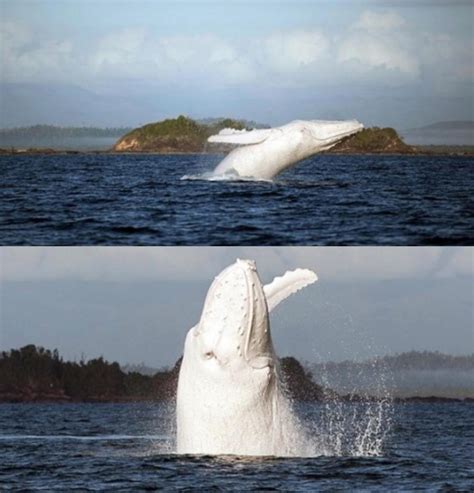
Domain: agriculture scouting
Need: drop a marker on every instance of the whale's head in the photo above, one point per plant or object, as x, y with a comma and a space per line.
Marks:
232, 342
326, 134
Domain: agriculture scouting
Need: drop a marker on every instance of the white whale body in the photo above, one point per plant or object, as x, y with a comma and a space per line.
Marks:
230, 398
267, 152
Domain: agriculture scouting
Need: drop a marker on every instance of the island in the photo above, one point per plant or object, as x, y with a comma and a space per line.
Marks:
184, 135
176, 135
373, 140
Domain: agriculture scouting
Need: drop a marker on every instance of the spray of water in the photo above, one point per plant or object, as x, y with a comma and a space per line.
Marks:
351, 428
354, 417
355, 425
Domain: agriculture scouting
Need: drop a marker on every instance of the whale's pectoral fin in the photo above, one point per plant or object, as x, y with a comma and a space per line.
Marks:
289, 283
232, 136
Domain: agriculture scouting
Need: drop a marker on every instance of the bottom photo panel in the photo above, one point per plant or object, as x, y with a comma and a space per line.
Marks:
236, 368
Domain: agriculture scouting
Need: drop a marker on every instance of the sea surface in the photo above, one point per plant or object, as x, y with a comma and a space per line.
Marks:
105, 199
129, 447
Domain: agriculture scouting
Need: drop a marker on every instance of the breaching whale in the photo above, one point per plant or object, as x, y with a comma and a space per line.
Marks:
230, 397
267, 152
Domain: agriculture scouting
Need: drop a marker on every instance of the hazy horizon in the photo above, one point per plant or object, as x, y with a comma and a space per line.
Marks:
449, 134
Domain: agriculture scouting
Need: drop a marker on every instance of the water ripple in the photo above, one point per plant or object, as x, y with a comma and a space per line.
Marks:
326, 200
99, 447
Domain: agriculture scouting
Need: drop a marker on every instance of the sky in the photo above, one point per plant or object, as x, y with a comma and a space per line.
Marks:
117, 62
135, 305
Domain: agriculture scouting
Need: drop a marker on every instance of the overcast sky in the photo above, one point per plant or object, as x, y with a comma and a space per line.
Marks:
136, 304
401, 63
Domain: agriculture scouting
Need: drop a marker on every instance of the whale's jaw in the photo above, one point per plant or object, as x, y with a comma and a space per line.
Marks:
327, 133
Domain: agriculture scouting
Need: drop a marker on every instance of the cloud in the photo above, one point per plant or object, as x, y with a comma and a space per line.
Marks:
118, 50
376, 49
205, 57
14, 35
376, 40
446, 59
378, 52
203, 263
25, 58
290, 51
459, 261
379, 21
137, 53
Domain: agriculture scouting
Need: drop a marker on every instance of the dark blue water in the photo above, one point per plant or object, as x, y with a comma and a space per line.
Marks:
326, 200
124, 447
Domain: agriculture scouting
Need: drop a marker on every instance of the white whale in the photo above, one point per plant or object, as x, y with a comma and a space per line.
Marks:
267, 152
230, 398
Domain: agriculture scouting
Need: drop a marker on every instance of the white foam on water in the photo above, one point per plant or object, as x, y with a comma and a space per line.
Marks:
229, 176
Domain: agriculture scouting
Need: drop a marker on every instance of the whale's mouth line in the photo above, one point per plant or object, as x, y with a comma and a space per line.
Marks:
341, 135
261, 361
250, 302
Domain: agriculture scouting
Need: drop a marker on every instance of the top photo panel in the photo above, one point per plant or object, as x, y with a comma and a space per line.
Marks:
236, 122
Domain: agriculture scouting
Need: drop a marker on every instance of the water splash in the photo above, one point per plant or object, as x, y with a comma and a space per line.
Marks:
227, 177
357, 429
351, 426
355, 424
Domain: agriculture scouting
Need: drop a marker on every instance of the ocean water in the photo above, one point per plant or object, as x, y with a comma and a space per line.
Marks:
124, 447
326, 200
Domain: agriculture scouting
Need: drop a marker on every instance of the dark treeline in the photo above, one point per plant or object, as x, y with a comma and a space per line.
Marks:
34, 373
36, 132
37, 374
411, 360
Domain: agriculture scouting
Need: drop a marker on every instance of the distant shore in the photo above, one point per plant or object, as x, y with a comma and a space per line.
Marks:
184, 135
35, 374
53, 398
418, 151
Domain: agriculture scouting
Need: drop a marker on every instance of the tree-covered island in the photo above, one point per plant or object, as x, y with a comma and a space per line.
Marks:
185, 135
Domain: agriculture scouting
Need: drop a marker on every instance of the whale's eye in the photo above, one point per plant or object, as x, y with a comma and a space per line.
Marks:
208, 355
